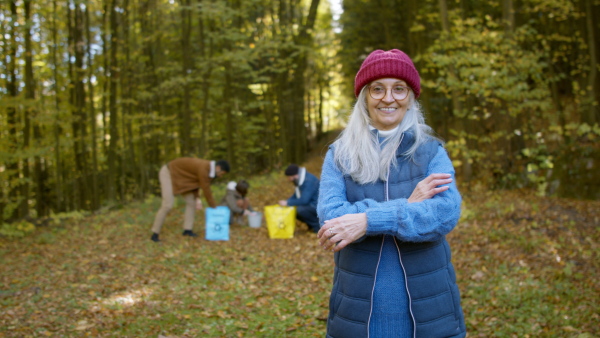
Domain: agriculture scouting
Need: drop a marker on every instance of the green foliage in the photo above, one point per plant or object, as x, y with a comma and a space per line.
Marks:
498, 83
72, 215
242, 81
494, 75
501, 95
179, 84
17, 229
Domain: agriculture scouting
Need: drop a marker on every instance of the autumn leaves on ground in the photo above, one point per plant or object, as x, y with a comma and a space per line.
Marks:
526, 265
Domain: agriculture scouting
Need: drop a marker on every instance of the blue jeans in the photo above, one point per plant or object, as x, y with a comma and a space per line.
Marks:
308, 215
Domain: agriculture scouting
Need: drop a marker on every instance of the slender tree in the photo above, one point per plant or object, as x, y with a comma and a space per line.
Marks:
591, 116
457, 106
185, 117
113, 149
93, 179
80, 118
56, 128
12, 166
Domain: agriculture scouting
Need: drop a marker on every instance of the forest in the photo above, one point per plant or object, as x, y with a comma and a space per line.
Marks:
97, 95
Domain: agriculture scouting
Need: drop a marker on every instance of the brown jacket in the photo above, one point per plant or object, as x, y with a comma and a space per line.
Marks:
189, 174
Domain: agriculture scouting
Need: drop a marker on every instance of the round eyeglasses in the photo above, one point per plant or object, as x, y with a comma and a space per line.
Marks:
378, 92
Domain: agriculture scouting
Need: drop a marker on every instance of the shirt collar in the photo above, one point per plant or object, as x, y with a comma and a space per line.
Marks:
301, 177
212, 170
384, 133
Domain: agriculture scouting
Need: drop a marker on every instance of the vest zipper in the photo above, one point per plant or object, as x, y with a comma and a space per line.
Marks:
412, 317
387, 187
407, 291
377, 267
401, 264
373, 289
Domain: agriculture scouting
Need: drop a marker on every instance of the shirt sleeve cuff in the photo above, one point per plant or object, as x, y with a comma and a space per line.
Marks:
381, 220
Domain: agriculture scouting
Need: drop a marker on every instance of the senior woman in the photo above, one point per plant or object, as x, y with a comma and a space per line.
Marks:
387, 200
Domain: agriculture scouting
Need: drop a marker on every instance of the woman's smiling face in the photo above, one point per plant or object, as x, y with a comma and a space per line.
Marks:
386, 113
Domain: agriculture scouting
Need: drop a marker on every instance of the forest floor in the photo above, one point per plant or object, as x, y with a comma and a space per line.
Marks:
527, 266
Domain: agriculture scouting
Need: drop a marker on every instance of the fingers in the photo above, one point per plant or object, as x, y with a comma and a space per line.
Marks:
439, 190
439, 176
429, 187
439, 182
433, 189
330, 242
322, 230
333, 243
432, 177
328, 235
340, 245
434, 180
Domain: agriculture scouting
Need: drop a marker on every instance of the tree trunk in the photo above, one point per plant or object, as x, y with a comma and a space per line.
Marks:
150, 105
29, 112
320, 112
128, 85
296, 122
40, 175
4, 48
113, 165
458, 123
57, 129
206, 58
513, 144
185, 120
79, 114
508, 17
308, 114
12, 166
591, 117
230, 97
271, 132
106, 75
94, 193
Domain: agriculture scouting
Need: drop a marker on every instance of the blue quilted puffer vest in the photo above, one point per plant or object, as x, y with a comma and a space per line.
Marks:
433, 295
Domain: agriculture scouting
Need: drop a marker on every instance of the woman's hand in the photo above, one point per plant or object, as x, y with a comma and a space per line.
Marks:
336, 233
199, 205
428, 187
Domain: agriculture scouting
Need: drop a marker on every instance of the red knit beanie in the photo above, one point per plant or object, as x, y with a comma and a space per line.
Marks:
393, 63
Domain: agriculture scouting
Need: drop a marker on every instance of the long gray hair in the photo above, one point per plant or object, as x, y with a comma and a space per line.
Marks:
358, 152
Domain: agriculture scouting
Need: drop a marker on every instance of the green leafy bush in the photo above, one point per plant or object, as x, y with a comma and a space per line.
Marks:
17, 229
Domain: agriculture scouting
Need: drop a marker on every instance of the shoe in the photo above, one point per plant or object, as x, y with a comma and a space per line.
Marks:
189, 233
154, 237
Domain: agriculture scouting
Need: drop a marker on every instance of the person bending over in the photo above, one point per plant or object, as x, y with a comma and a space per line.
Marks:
237, 202
185, 176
